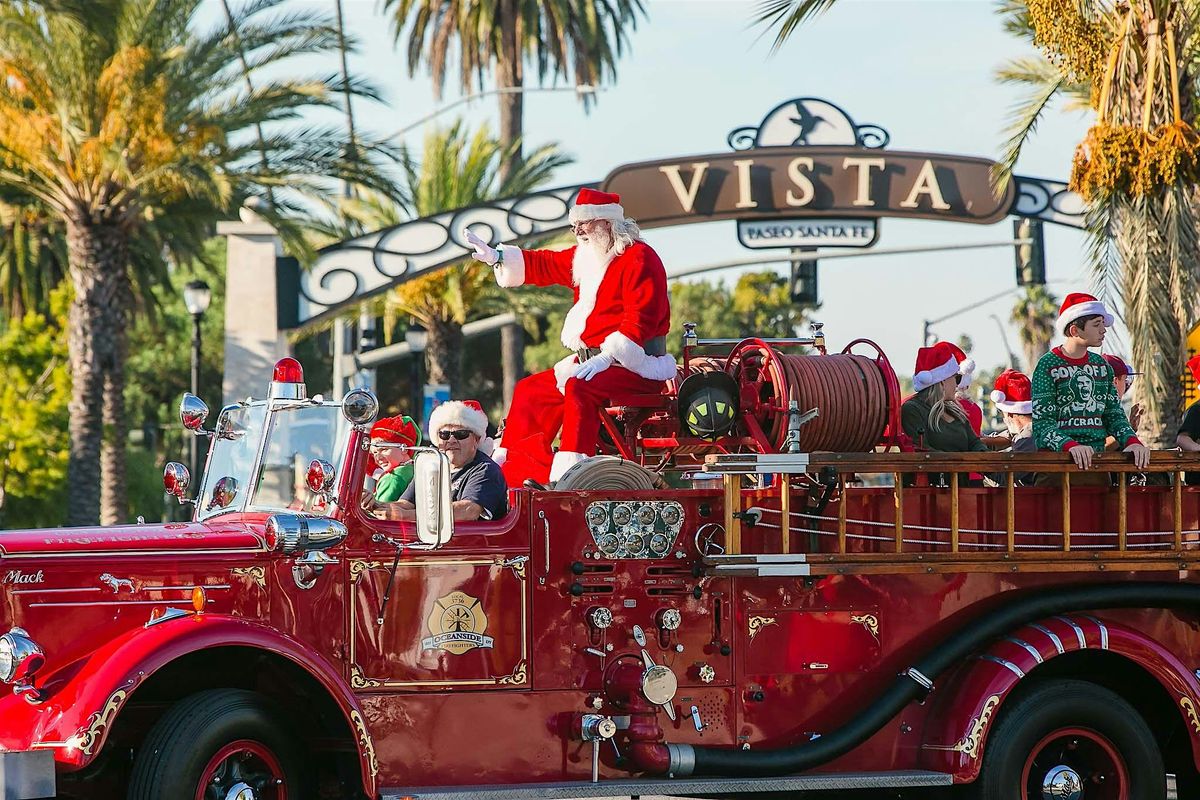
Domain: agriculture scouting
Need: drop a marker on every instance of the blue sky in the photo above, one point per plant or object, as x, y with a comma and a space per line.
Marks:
923, 69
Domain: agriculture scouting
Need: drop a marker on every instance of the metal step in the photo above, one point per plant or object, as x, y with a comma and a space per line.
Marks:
668, 786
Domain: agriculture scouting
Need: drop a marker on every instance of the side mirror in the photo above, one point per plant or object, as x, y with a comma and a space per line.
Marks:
360, 406
435, 518
223, 493
320, 478
176, 480
192, 413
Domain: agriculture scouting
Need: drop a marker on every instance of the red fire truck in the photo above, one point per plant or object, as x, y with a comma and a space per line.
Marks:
781, 601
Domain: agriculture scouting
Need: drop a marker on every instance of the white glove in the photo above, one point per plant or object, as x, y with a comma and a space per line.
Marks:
483, 251
593, 366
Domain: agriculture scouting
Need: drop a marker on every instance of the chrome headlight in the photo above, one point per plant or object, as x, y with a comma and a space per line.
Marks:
20, 656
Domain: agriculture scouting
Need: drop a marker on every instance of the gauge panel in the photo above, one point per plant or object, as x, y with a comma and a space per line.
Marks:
641, 530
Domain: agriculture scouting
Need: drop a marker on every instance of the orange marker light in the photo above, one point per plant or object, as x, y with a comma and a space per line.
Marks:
199, 599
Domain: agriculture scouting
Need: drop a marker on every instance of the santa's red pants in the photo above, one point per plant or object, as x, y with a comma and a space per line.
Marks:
538, 410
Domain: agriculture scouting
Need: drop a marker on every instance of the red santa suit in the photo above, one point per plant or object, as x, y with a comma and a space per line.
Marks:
621, 308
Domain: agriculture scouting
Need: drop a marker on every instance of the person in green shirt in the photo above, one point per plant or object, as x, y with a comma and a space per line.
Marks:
1075, 404
390, 439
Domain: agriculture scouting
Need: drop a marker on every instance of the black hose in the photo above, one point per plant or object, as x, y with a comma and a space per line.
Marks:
976, 634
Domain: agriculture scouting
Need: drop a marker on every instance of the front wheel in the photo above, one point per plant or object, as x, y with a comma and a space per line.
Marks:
1072, 740
222, 744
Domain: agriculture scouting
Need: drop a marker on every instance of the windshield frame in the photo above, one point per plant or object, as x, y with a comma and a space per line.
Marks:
272, 410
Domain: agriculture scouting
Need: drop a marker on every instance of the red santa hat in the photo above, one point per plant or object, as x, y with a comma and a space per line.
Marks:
465, 413
591, 204
934, 365
397, 430
1076, 305
966, 365
1013, 392
1193, 364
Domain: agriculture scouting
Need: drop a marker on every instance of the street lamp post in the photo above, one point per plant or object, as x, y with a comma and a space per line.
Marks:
196, 297
416, 337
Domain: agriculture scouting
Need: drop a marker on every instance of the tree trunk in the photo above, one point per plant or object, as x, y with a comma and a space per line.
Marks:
114, 500
509, 80
96, 345
512, 358
443, 354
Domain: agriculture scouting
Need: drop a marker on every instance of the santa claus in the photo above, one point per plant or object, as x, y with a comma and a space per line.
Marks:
616, 330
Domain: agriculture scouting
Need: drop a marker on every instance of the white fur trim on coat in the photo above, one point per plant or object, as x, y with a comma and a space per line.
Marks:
609, 211
499, 455
564, 370
456, 412
510, 269
563, 461
587, 275
632, 356
928, 377
1085, 309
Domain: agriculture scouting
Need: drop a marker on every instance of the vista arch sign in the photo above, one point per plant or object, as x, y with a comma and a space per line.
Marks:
806, 159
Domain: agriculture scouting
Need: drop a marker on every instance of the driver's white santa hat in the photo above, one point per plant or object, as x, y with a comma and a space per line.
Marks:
934, 365
1076, 305
592, 204
467, 414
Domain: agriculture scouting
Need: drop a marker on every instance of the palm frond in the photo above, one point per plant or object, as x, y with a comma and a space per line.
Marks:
1047, 82
784, 16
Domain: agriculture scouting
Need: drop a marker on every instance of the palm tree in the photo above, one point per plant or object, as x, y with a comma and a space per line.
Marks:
456, 170
1135, 65
583, 37
33, 259
1034, 314
135, 133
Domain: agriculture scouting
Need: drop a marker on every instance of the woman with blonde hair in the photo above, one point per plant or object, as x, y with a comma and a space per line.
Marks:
932, 418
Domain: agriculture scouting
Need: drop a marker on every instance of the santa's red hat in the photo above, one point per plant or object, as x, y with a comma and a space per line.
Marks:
397, 430
1076, 305
1013, 392
934, 365
467, 414
966, 365
591, 204
1193, 364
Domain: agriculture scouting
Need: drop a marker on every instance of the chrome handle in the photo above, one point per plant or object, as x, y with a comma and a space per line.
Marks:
546, 526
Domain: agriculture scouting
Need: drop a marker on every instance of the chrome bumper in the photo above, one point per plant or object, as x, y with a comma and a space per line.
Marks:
27, 775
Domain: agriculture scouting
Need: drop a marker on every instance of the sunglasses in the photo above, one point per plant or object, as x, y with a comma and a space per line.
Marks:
460, 435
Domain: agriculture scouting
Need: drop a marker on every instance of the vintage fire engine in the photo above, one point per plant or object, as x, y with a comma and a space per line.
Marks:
778, 601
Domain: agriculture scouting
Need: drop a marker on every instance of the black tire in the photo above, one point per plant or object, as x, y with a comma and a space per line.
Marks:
1112, 732
175, 756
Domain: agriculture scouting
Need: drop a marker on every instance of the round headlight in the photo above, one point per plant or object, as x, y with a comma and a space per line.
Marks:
6, 660
20, 656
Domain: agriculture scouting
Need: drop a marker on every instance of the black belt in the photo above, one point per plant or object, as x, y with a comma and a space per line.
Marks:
653, 347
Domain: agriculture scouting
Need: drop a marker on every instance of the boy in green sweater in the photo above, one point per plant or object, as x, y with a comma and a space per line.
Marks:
1075, 403
390, 439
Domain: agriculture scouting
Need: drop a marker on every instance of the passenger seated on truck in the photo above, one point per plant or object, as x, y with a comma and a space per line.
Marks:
477, 487
1188, 438
1013, 395
390, 439
1123, 375
1075, 402
932, 418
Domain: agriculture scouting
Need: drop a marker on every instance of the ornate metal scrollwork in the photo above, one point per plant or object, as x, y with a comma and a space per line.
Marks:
1051, 201
807, 121
366, 265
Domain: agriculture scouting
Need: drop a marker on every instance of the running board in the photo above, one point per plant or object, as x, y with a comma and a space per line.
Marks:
676, 787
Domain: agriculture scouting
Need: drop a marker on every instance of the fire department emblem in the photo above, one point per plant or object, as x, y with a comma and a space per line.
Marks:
458, 624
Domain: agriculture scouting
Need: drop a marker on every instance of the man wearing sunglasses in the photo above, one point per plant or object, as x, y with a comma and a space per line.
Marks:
616, 330
477, 490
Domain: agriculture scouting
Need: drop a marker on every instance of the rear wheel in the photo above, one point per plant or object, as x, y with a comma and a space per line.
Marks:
1071, 740
223, 744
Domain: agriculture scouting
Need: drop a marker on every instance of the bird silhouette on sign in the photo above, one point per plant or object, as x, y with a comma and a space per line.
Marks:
807, 122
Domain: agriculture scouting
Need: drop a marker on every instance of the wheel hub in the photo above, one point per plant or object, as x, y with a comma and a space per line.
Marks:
241, 791
1061, 783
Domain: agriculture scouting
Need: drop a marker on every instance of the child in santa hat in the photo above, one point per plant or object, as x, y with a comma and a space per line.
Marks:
390, 439
1013, 395
1075, 403
1189, 432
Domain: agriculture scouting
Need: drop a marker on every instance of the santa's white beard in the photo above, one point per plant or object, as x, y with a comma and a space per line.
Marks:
587, 270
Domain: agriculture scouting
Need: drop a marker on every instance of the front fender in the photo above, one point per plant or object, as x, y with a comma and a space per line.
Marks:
965, 709
84, 698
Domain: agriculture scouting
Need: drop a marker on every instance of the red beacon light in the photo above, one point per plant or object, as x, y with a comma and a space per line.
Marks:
287, 380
